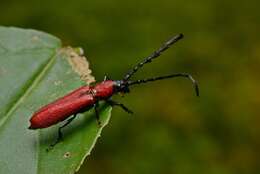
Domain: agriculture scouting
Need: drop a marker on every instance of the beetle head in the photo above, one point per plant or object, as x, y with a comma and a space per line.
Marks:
122, 87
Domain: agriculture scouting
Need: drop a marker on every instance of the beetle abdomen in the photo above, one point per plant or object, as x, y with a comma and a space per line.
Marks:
73, 103
62, 108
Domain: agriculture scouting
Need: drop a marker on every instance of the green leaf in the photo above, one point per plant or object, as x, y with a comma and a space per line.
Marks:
35, 70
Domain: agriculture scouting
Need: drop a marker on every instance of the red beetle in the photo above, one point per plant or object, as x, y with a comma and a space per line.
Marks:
86, 97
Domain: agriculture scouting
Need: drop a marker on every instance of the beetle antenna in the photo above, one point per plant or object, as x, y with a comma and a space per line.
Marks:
195, 84
154, 55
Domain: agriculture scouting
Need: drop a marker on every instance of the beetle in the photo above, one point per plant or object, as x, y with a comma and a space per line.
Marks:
87, 97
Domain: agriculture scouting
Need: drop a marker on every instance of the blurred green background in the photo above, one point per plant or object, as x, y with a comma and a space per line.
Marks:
171, 131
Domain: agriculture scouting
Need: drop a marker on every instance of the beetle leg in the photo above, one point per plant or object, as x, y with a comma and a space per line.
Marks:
68, 122
106, 78
60, 135
114, 103
97, 114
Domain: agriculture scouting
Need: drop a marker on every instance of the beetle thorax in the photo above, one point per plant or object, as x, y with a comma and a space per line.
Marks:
105, 89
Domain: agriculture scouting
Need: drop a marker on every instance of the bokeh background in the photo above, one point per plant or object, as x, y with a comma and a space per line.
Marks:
172, 131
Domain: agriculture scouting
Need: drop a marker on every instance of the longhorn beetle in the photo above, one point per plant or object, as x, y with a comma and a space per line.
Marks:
86, 97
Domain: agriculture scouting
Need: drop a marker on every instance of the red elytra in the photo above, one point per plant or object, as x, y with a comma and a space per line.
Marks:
75, 102
86, 97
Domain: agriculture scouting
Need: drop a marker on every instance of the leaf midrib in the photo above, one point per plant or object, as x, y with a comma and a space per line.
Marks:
27, 90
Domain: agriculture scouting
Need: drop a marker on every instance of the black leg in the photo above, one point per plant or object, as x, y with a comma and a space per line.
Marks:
106, 78
60, 135
97, 114
114, 103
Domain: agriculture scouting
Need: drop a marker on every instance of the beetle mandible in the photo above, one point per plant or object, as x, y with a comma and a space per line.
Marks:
86, 97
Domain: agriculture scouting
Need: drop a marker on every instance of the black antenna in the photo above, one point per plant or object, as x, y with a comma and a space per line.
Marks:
195, 84
155, 54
